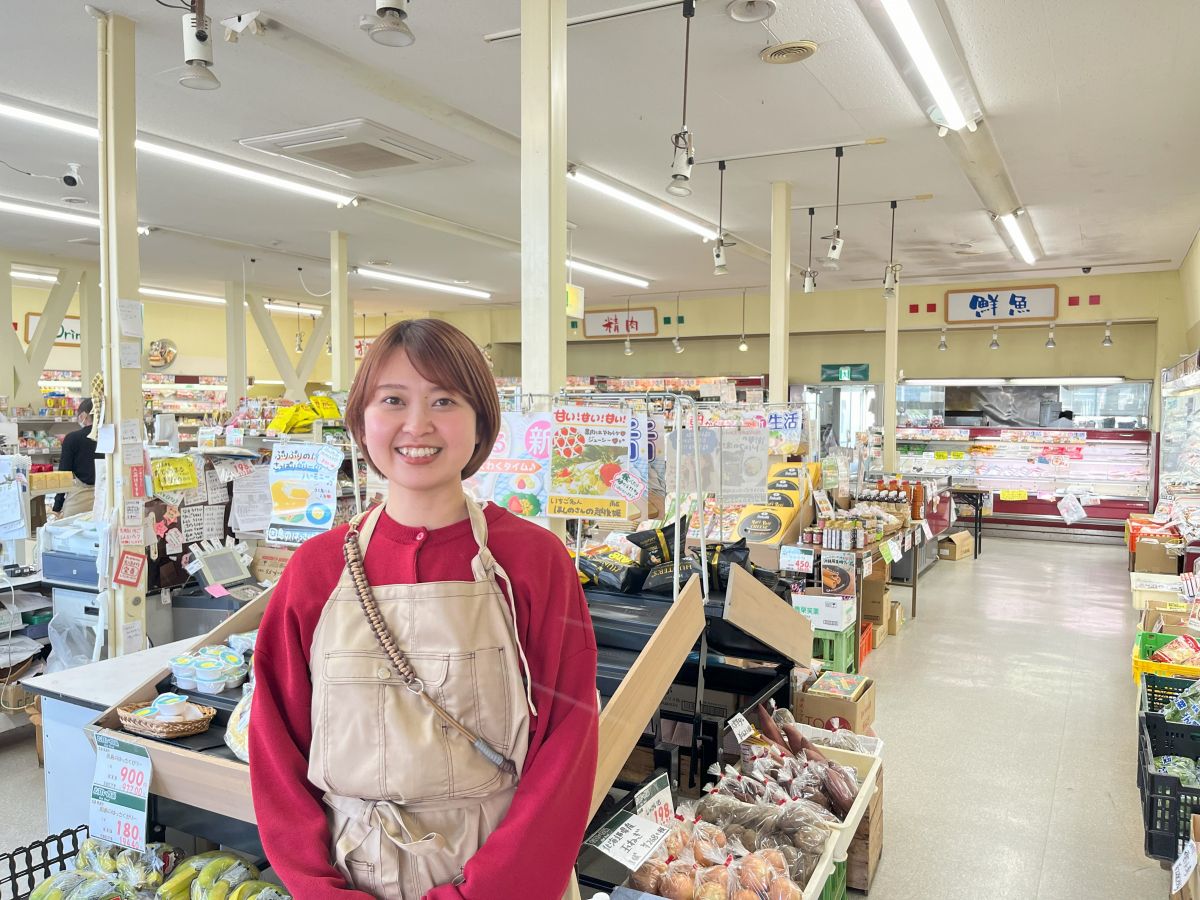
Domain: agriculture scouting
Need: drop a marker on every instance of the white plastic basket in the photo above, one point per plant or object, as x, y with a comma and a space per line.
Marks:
867, 769
872, 745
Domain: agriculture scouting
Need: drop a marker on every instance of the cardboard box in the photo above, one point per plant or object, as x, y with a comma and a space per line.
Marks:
895, 618
1143, 525
876, 597
956, 546
1164, 622
835, 613
681, 698
815, 709
879, 634
1191, 887
268, 562
863, 856
1151, 556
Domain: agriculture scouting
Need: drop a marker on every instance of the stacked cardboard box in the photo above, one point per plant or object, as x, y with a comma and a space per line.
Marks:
863, 856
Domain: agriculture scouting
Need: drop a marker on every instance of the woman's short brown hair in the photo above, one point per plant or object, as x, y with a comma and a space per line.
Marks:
444, 356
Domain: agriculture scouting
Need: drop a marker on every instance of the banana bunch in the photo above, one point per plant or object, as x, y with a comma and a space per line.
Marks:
147, 871
97, 856
179, 885
76, 885
259, 890
217, 880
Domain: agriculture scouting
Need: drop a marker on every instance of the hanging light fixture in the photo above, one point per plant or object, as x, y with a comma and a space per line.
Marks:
329, 345
685, 152
628, 343
299, 335
742, 345
810, 274
719, 250
995, 344
679, 348
891, 274
942, 341
1050, 343
835, 240
1108, 341
389, 25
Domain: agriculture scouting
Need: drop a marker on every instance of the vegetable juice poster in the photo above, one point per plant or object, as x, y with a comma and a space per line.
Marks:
590, 474
303, 481
515, 475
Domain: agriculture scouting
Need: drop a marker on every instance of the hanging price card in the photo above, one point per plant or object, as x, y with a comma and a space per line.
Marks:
897, 550
926, 529
907, 540
740, 727
1013, 495
868, 564
796, 559
629, 839
885, 550
120, 788
654, 801
940, 454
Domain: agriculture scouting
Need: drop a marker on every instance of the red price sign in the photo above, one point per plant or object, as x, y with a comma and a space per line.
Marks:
133, 780
654, 801
120, 788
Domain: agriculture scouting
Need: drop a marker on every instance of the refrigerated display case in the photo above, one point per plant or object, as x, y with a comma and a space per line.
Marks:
1179, 430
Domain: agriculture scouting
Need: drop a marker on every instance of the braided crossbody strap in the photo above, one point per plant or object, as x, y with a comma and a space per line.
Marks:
387, 641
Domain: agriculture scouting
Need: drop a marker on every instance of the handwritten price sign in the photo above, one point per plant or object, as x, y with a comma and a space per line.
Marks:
120, 788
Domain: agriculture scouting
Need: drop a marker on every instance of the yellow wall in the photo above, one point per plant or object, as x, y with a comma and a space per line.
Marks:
1189, 279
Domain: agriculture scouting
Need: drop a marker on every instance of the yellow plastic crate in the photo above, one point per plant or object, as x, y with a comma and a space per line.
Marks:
1144, 645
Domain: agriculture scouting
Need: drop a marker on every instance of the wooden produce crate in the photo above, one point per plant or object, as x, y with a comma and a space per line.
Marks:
867, 846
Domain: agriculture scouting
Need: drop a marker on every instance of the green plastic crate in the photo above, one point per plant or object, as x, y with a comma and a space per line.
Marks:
835, 884
837, 649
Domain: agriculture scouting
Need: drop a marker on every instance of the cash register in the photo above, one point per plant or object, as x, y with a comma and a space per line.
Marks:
223, 586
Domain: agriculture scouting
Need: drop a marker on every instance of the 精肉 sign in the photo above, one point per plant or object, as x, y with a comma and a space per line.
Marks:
620, 323
1029, 303
69, 333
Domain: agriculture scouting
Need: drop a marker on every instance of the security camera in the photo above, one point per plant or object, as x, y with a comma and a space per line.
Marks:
71, 177
1087, 270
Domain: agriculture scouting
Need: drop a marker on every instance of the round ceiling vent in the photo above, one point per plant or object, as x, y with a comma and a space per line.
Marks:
788, 52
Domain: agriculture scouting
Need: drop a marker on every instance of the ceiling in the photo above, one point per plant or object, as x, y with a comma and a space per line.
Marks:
1094, 110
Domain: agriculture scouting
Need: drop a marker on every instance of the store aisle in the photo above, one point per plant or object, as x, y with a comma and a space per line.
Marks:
23, 812
1009, 752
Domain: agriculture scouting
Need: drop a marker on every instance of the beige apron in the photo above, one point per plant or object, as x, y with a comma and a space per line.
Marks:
409, 799
80, 500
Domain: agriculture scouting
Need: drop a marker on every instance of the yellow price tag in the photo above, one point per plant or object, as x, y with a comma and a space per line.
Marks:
957, 454
940, 454
174, 473
325, 407
1012, 494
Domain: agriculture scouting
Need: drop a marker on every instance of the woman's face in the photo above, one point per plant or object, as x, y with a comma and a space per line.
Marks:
418, 434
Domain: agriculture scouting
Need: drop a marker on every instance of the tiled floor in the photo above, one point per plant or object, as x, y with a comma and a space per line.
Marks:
1006, 711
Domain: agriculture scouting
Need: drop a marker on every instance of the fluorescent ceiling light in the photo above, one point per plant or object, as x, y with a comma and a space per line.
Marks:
917, 45
283, 307
610, 274
666, 213
1069, 381
40, 277
954, 382
43, 212
1013, 227
422, 283
166, 294
154, 148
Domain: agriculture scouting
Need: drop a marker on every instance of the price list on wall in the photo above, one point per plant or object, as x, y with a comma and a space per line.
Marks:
120, 788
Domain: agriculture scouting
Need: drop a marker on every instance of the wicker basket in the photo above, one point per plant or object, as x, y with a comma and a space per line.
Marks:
156, 729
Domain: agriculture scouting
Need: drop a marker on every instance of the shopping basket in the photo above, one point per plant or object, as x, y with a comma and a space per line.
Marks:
23, 869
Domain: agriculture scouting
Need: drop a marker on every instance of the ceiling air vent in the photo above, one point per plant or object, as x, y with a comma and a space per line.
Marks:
358, 148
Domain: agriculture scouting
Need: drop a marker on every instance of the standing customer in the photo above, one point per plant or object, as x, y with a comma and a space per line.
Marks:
79, 458
364, 781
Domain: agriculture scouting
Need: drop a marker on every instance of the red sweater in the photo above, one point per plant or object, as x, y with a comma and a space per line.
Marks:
530, 855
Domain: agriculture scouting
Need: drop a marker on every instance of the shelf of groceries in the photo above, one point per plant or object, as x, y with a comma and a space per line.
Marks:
738, 631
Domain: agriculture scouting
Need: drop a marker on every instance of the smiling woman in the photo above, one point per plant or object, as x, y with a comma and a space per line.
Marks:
398, 721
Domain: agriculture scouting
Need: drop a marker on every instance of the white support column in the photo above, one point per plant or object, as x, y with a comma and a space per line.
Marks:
236, 377
781, 290
341, 313
10, 344
543, 195
891, 369
91, 328
122, 274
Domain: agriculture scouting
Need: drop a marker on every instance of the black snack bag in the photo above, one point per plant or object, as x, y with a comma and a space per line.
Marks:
719, 557
658, 544
613, 570
659, 579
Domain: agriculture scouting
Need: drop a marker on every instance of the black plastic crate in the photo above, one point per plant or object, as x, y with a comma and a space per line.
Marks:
1167, 805
1167, 738
23, 869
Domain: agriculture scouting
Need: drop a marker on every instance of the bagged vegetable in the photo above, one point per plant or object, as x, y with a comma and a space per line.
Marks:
1180, 766
612, 570
658, 544
237, 734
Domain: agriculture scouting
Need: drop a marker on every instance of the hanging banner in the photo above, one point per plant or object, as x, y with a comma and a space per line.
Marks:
787, 436
303, 479
515, 475
743, 463
589, 449
608, 323
1031, 303
639, 462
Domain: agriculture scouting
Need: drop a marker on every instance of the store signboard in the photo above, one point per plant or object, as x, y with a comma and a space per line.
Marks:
835, 372
589, 449
574, 301
303, 480
362, 345
1028, 303
610, 323
516, 473
70, 330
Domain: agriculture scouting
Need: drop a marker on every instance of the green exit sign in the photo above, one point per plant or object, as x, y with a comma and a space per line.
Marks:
845, 372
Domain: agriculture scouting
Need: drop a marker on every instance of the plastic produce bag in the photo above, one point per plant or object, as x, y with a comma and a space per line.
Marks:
1180, 766
237, 735
72, 643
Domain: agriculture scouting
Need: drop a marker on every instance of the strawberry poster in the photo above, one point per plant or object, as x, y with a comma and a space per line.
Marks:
514, 476
590, 467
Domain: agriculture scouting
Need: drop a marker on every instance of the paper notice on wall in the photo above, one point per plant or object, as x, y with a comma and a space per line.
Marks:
106, 440
191, 520
131, 354
133, 512
174, 542
217, 492
214, 522
129, 316
251, 510
743, 461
